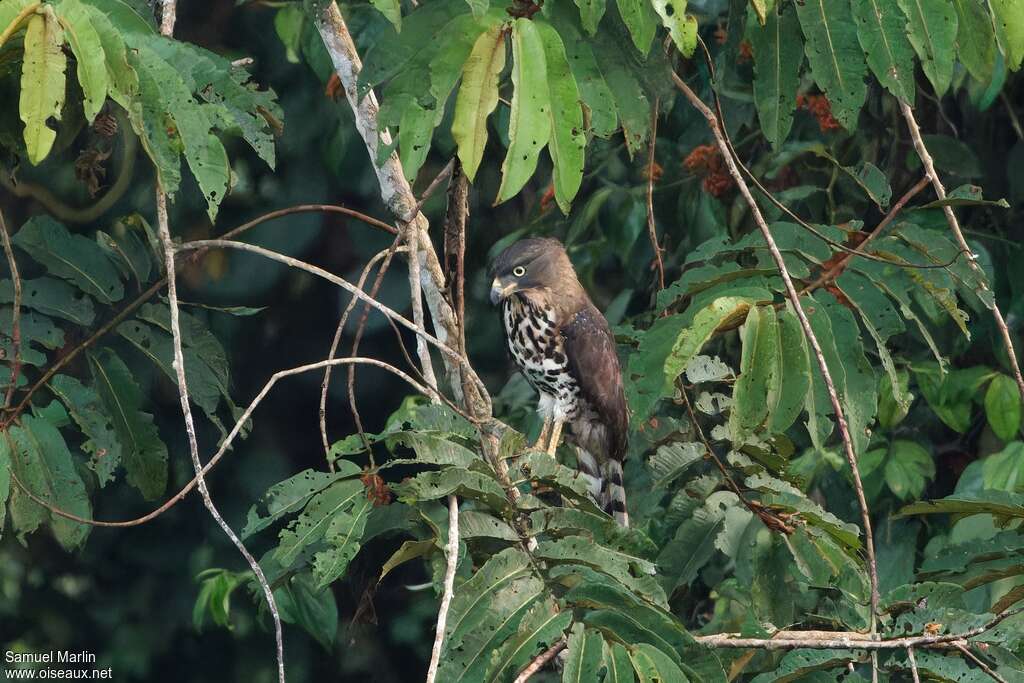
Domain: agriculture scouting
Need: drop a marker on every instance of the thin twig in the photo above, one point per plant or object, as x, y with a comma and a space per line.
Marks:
449, 587
840, 265
432, 187
954, 226
981, 664
794, 299
913, 665
652, 231
540, 661
164, 233
15, 316
344, 284
325, 385
226, 444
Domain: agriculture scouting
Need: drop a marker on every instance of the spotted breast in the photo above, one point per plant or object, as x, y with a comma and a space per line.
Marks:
538, 349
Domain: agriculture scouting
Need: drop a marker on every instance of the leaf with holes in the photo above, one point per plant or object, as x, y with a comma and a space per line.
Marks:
87, 410
42, 82
835, 56
881, 29
932, 27
568, 141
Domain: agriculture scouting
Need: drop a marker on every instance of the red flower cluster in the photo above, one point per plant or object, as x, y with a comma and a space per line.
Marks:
376, 489
707, 161
821, 108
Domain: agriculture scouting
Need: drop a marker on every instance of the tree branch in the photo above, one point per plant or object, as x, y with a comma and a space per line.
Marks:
452, 552
954, 226
540, 661
652, 230
981, 664
15, 316
913, 665
794, 299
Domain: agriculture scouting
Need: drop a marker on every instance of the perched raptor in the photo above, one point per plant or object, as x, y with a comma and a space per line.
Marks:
565, 349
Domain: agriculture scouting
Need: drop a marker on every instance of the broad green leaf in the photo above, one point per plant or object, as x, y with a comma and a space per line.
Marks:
654, 666
778, 55
292, 494
1005, 470
758, 370
74, 258
410, 550
835, 56
1009, 21
591, 12
392, 52
529, 127
414, 134
640, 19
315, 610
617, 664
214, 597
681, 26
87, 410
568, 140
540, 628
546, 471
392, 11
477, 98
881, 29
51, 297
463, 483
44, 466
788, 389
478, 7
800, 664
965, 195
128, 252
143, 454
856, 378
616, 65
932, 28
581, 550
669, 345
36, 330
975, 39
630, 543
594, 90
435, 448
9, 11
1002, 407
344, 537
125, 17
674, 459
997, 503
693, 546
908, 468
42, 82
317, 516
583, 655
474, 524
88, 49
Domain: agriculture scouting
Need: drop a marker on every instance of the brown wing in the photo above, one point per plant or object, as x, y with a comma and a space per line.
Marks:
590, 349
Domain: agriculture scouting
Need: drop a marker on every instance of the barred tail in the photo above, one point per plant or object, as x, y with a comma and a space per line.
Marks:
613, 493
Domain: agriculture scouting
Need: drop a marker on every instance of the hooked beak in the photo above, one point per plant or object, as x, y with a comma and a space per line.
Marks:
500, 290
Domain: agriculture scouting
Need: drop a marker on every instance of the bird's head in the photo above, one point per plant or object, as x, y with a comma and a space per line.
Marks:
535, 263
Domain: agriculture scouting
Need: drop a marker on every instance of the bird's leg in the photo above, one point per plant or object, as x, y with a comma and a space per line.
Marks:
556, 436
541, 443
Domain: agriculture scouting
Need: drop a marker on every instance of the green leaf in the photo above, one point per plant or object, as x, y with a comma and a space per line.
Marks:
583, 655
529, 126
128, 253
908, 468
143, 454
797, 665
87, 410
541, 626
758, 370
630, 543
654, 666
463, 483
693, 546
311, 526
681, 27
787, 391
42, 82
344, 537
88, 50
633, 106
881, 29
35, 330
53, 298
596, 95
392, 11
778, 55
315, 610
965, 195
581, 550
568, 140
617, 664
591, 12
975, 40
392, 52
1009, 20
478, 7
5, 480
44, 466
292, 494
122, 81
640, 19
74, 258
477, 98
410, 550
835, 56
997, 503
1002, 407
932, 28
674, 459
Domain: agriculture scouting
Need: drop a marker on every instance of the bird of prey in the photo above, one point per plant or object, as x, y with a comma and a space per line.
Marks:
565, 349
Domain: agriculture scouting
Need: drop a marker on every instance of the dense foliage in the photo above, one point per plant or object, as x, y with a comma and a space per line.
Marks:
742, 501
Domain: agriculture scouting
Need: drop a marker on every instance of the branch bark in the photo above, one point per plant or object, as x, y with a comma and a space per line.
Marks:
452, 551
12, 264
954, 226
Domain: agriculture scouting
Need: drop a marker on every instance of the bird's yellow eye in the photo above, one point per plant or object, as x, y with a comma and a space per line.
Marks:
519, 271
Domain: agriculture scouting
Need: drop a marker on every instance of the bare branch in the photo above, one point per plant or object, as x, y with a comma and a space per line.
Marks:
794, 299
954, 226
913, 665
652, 231
540, 661
452, 551
977, 660
15, 316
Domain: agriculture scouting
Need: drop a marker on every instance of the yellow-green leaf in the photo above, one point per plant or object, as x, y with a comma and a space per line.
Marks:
392, 11
42, 82
639, 18
1002, 407
1010, 30
529, 127
681, 27
568, 141
477, 98
88, 49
